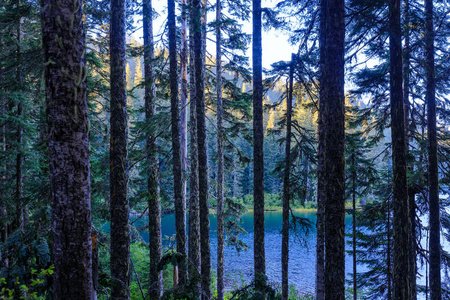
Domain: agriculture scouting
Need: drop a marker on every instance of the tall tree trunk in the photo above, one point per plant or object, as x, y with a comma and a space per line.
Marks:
194, 213
19, 157
202, 155
183, 99
433, 174
401, 286
180, 205
258, 154
65, 79
220, 172
332, 98
154, 202
119, 207
286, 189
355, 283
320, 226
411, 194
388, 252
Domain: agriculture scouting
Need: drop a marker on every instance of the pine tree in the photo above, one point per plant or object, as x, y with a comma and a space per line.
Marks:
286, 188
119, 207
258, 156
220, 156
332, 32
433, 175
65, 79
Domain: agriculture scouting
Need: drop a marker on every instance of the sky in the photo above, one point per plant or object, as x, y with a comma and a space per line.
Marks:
274, 44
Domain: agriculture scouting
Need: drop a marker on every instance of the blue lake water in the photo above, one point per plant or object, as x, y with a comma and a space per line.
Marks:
239, 266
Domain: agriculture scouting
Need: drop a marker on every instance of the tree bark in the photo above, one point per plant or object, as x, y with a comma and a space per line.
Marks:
199, 53
433, 173
286, 189
355, 283
183, 99
220, 149
258, 154
119, 207
65, 80
401, 287
19, 157
194, 210
154, 202
332, 110
180, 205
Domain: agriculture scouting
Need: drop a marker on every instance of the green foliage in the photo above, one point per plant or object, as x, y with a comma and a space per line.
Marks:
33, 290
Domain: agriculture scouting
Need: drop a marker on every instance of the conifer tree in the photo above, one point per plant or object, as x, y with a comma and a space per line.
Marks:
433, 175
119, 207
65, 79
332, 33
258, 156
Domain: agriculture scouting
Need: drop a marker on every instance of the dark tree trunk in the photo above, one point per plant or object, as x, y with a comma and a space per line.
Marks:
258, 154
320, 226
286, 189
388, 252
202, 155
411, 194
183, 100
401, 286
154, 202
433, 175
332, 113
220, 173
19, 157
119, 207
194, 213
180, 205
65, 79
355, 283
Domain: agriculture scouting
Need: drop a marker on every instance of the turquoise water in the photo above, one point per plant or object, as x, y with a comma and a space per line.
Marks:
239, 266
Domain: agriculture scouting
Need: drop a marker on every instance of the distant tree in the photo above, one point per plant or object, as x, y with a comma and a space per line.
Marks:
119, 207
65, 80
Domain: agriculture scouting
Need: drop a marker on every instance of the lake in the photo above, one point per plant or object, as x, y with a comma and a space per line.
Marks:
239, 266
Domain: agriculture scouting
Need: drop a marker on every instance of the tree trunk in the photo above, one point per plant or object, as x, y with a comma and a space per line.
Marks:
220, 172
433, 174
183, 100
286, 189
65, 80
194, 213
355, 283
154, 202
401, 286
119, 207
180, 205
19, 157
320, 226
332, 98
202, 155
258, 154
388, 252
